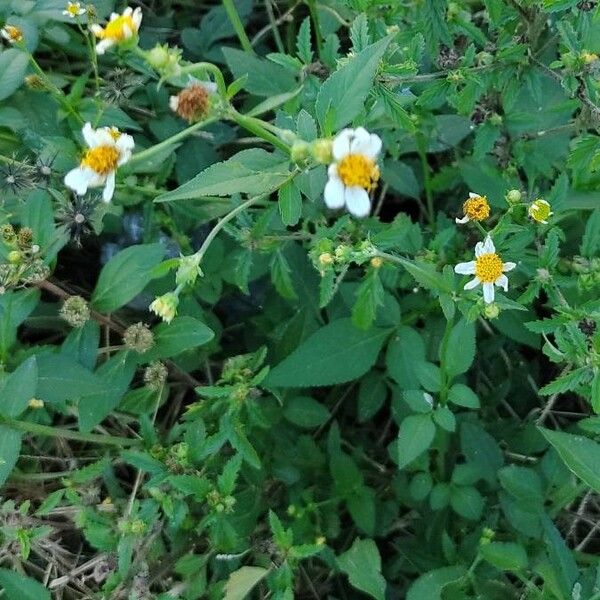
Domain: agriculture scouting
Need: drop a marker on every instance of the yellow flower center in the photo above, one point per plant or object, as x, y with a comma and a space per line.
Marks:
73, 9
540, 211
102, 159
114, 133
477, 208
488, 267
358, 170
115, 30
14, 33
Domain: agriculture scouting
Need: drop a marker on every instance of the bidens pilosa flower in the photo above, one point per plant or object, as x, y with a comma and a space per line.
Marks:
108, 149
539, 210
12, 34
74, 10
488, 269
476, 208
119, 29
355, 173
193, 102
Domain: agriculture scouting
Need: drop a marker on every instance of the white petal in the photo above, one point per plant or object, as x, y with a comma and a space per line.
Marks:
332, 171
125, 145
89, 135
466, 268
488, 293
464, 220
109, 188
502, 282
341, 144
488, 246
358, 201
128, 11
474, 195
360, 140
103, 45
127, 33
96, 29
137, 18
479, 249
79, 179
508, 266
114, 16
472, 284
334, 193
174, 103
210, 86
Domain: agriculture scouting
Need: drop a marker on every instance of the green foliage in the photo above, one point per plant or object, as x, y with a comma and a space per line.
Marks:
255, 370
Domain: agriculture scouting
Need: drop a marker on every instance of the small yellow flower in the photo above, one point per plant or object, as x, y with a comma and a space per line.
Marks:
34, 403
120, 28
476, 208
376, 262
165, 306
12, 34
488, 269
354, 172
74, 10
325, 258
540, 211
589, 57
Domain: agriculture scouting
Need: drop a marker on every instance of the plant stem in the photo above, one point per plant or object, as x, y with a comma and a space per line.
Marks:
314, 15
259, 128
238, 26
145, 154
210, 68
67, 434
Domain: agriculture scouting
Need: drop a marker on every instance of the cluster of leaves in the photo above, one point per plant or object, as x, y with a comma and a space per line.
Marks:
330, 414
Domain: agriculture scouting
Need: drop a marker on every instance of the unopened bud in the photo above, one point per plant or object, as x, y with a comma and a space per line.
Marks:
322, 151
376, 262
300, 151
513, 196
491, 311
325, 258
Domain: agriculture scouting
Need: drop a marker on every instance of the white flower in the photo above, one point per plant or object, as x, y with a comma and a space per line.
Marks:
108, 149
74, 10
11, 34
354, 173
488, 269
118, 29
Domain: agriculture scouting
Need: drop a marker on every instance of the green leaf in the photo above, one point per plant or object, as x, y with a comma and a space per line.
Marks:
125, 275
336, 353
462, 395
171, 339
15, 307
426, 275
18, 388
416, 434
281, 276
430, 585
561, 557
460, 350
590, 244
13, 66
305, 412
405, 350
371, 396
506, 556
264, 78
522, 483
10, 447
290, 203
481, 449
344, 92
19, 587
369, 297
580, 454
243, 581
362, 564
467, 502
250, 172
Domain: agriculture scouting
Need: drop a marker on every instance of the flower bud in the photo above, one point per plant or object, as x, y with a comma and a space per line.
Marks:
75, 311
540, 211
300, 151
35, 82
189, 269
138, 338
34, 404
513, 196
158, 57
376, 262
491, 311
165, 306
8, 234
325, 258
322, 151
14, 257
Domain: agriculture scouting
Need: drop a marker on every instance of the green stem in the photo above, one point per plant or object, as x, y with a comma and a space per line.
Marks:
238, 26
145, 154
209, 68
443, 349
259, 128
422, 151
67, 434
314, 15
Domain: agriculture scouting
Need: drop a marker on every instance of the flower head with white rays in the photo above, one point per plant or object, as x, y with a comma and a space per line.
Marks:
12, 34
488, 269
74, 10
475, 208
120, 28
540, 211
355, 172
108, 149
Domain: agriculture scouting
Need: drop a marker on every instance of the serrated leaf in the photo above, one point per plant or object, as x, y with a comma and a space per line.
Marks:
362, 564
416, 434
13, 66
290, 203
17, 586
243, 581
334, 354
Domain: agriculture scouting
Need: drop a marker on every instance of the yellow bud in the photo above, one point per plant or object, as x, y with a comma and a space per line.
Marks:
491, 311
34, 403
321, 540
14, 257
322, 151
325, 258
376, 262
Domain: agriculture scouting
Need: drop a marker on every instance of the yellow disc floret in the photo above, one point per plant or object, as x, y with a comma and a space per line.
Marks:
102, 159
358, 170
12, 34
118, 29
477, 208
488, 267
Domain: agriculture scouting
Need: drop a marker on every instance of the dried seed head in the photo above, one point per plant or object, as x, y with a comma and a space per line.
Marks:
155, 375
75, 311
192, 103
138, 338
